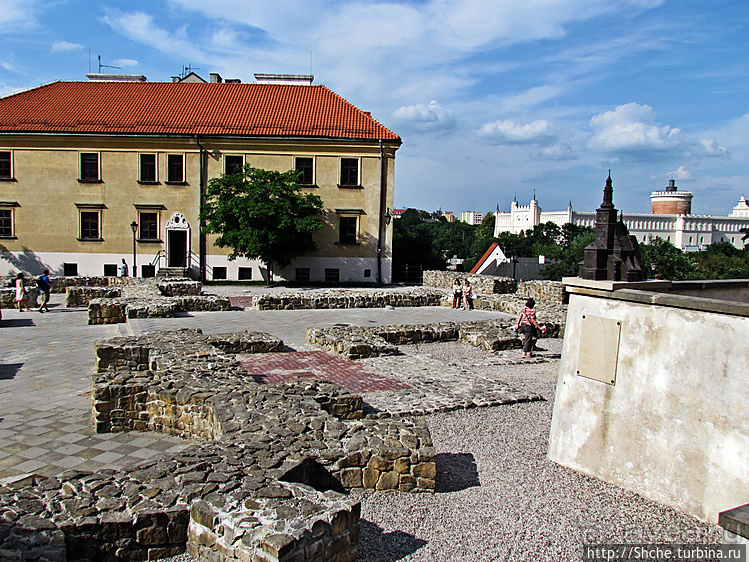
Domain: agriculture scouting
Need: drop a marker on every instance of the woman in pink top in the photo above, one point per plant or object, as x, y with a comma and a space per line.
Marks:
525, 325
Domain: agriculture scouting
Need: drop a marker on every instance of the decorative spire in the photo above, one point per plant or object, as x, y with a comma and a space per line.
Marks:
534, 193
608, 194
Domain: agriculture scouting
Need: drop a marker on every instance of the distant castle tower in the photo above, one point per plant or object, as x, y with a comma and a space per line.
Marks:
671, 201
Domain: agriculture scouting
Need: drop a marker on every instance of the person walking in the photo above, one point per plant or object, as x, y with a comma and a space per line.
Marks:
22, 295
457, 293
123, 268
44, 288
526, 325
467, 295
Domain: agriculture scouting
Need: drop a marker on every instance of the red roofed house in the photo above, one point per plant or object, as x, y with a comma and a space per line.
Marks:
81, 161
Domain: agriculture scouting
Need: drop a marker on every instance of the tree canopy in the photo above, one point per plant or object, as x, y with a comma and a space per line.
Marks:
262, 214
420, 239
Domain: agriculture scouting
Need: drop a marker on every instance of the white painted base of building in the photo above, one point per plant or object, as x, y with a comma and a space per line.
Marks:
318, 270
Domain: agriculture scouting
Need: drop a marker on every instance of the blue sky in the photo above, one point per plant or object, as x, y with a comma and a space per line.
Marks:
492, 99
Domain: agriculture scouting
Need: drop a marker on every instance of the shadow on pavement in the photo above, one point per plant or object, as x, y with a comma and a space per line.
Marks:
378, 546
455, 472
8, 371
17, 323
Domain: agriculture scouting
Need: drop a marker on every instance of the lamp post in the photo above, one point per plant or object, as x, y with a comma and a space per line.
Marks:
134, 227
514, 265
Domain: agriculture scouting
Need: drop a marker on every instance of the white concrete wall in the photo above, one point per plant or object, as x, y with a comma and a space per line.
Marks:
675, 426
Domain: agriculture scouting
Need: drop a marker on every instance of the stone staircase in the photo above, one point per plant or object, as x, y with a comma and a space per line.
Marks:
171, 272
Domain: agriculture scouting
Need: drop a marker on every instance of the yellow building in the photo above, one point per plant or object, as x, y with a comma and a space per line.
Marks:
80, 162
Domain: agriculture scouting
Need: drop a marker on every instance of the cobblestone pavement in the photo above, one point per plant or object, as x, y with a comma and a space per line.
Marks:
45, 404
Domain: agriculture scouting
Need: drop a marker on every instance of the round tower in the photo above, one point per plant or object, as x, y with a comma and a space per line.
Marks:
671, 201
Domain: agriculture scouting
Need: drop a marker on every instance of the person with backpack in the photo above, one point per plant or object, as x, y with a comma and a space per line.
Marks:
42, 282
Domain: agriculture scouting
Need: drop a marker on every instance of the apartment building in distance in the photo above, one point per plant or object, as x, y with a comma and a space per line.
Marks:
89, 169
471, 217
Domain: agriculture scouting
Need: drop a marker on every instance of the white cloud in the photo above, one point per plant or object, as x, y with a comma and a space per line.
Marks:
140, 27
631, 129
126, 62
16, 15
711, 148
558, 152
507, 131
429, 117
680, 174
63, 46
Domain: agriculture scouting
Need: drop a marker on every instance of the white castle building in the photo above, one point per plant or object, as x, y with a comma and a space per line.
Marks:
670, 219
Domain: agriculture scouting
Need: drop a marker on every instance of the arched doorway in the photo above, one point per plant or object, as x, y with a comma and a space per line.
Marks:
178, 241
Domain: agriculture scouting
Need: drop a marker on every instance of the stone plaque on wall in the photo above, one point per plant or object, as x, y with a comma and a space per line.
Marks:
599, 348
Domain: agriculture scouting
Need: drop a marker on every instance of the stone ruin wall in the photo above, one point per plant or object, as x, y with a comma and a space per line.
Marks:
347, 299
269, 488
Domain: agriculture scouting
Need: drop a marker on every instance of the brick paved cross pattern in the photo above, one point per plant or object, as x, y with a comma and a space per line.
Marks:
315, 365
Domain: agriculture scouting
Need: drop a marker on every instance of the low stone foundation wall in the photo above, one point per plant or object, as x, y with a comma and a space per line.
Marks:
180, 288
482, 284
79, 297
118, 310
358, 342
8, 296
546, 292
347, 299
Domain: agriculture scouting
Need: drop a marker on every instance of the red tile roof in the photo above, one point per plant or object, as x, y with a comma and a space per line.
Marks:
192, 109
484, 257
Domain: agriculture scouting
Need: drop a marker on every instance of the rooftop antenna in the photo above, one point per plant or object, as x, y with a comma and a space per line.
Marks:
310, 62
106, 65
188, 69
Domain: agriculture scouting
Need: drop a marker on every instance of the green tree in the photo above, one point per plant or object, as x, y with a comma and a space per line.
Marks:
574, 239
663, 260
721, 260
262, 214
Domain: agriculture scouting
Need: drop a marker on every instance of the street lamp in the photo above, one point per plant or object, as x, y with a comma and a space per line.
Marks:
134, 226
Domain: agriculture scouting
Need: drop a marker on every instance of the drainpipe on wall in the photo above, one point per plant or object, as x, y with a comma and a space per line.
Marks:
383, 210
201, 225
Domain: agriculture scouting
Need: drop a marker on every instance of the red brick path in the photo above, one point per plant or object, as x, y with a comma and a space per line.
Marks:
240, 301
315, 365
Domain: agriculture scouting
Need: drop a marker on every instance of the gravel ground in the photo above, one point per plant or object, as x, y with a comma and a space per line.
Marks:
498, 497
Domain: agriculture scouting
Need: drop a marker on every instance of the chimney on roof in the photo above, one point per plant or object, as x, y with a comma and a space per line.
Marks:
175, 79
296, 79
216, 78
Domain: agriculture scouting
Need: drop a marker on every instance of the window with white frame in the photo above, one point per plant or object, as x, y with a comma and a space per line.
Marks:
90, 170
233, 163
148, 169
306, 166
6, 165
350, 172
175, 168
